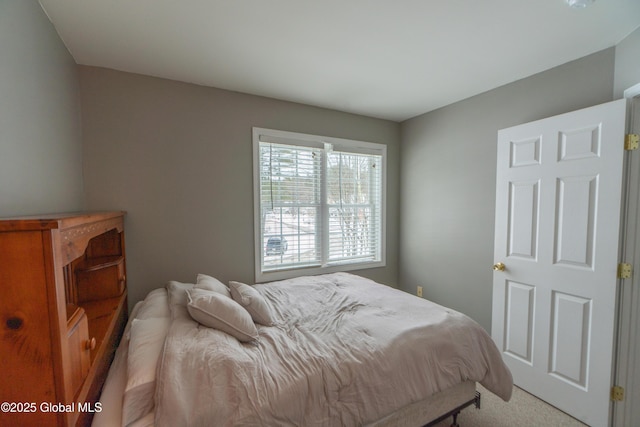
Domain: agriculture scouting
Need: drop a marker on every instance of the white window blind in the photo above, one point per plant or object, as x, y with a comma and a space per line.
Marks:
319, 202
354, 202
290, 203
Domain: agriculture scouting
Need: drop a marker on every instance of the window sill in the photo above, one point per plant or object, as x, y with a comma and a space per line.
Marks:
268, 276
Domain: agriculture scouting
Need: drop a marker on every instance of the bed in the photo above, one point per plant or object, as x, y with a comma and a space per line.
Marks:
328, 350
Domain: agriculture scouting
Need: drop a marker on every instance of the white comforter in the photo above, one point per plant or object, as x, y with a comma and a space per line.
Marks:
345, 351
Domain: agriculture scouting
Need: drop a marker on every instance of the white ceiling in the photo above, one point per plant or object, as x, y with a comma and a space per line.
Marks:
392, 59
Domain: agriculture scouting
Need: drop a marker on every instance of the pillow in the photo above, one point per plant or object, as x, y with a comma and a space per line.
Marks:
219, 312
156, 304
145, 346
212, 284
177, 292
177, 298
253, 302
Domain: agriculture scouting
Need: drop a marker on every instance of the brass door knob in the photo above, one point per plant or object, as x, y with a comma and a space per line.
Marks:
499, 267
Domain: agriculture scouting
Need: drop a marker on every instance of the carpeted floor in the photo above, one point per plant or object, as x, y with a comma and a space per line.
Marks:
523, 410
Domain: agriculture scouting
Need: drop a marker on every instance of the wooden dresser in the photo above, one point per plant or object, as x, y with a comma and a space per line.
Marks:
63, 307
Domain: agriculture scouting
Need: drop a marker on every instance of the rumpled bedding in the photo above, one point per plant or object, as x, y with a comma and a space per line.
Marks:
344, 351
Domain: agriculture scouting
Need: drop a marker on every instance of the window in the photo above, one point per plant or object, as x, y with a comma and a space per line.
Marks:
318, 204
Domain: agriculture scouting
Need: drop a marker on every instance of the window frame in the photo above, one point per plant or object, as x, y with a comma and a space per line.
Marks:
339, 144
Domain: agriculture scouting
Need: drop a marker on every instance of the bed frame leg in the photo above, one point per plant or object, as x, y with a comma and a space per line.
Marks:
475, 402
455, 412
455, 419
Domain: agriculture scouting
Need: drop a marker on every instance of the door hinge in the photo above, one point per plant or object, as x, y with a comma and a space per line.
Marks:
631, 141
624, 270
617, 393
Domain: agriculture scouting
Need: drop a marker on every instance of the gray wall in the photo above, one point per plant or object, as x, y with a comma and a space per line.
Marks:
627, 72
448, 172
178, 158
40, 130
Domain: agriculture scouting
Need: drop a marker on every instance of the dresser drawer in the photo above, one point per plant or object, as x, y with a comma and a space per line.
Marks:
102, 278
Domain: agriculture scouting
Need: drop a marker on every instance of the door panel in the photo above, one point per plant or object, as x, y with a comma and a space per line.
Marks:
570, 338
523, 219
520, 320
575, 213
558, 199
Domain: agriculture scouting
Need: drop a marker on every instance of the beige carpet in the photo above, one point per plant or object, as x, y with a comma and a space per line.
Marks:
523, 410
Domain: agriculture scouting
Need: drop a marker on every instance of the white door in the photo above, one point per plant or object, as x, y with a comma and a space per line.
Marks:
558, 201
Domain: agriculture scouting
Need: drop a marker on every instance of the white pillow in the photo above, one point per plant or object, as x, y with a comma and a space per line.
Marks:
253, 302
156, 304
145, 346
177, 292
219, 312
211, 283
